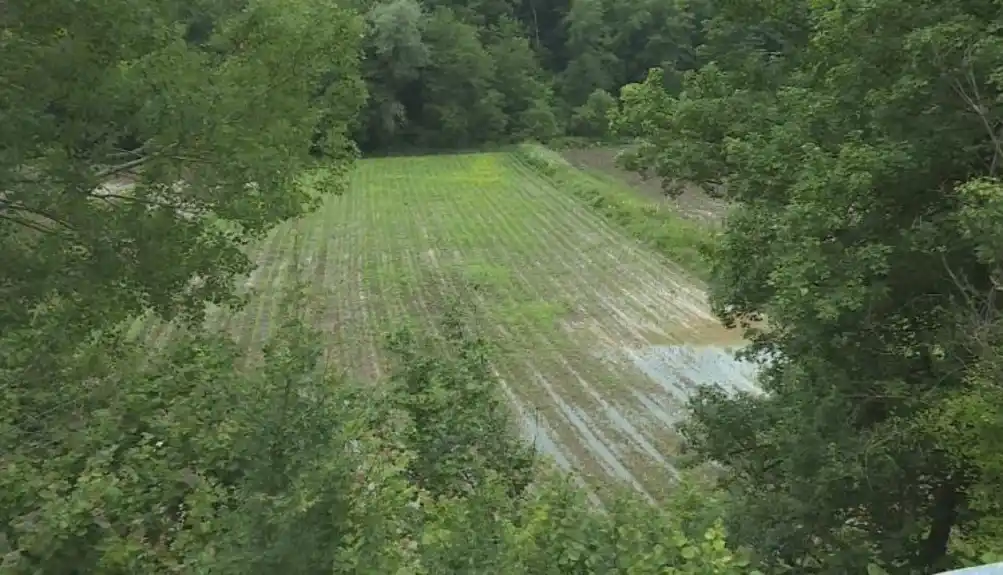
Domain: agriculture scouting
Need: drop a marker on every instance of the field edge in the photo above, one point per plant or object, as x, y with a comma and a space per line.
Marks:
684, 242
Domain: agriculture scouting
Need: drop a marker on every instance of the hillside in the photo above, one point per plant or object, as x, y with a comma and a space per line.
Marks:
693, 203
601, 339
305, 286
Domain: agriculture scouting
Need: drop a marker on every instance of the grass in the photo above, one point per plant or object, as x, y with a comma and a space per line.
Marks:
574, 304
654, 223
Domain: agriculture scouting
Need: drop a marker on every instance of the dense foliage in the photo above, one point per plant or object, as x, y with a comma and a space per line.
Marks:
126, 135
146, 144
445, 74
860, 144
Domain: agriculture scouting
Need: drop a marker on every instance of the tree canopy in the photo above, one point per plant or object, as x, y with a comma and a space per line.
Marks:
128, 143
146, 145
858, 142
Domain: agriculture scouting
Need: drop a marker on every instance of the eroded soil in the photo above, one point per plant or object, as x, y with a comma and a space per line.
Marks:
692, 204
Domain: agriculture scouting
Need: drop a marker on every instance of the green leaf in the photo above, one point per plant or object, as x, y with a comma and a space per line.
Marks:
874, 569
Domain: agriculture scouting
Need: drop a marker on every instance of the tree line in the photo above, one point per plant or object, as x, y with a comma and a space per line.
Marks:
145, 145
443, 74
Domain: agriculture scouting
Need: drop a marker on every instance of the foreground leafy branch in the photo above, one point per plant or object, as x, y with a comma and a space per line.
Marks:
180, 460
858, 144
126, 140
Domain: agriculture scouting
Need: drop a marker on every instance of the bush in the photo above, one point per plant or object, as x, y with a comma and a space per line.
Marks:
181, 460
196, 458
460, 428
592, 119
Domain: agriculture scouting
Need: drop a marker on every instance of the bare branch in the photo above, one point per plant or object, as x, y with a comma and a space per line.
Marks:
124, 167
982, 309
130, 165
29, 224
136, 153
111, 196
963, 286
974, 102
35, 211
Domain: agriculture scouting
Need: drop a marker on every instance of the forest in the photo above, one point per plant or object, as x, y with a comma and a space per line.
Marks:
148, 149
455, 75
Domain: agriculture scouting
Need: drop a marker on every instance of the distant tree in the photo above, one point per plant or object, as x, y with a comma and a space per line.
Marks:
395, 56
592, 118
591, 62
459, 105
545, 58
528, 96
652, 33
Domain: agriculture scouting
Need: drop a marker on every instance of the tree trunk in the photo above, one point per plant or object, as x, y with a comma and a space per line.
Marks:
944, 514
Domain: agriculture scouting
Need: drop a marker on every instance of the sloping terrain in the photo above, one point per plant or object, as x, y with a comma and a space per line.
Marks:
602, 339
693, 203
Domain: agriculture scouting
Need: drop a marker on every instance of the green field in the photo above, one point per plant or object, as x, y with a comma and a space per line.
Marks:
600, 337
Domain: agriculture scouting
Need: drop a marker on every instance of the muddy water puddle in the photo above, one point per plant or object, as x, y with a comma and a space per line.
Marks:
611, 386
621, 424
681, 369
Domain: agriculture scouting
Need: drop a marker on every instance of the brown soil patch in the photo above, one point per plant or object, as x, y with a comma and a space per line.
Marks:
692, 204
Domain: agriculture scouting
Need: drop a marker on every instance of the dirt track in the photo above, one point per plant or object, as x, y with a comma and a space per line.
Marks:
692, 204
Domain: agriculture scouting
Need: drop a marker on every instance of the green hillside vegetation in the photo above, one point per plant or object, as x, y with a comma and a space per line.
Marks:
249, 323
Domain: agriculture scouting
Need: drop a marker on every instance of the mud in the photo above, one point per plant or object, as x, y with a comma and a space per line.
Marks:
692, 204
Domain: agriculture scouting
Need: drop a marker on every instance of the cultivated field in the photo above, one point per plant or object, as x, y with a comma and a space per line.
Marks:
601, 339
692, 204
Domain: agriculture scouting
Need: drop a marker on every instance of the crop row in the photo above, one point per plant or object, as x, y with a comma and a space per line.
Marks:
601, 339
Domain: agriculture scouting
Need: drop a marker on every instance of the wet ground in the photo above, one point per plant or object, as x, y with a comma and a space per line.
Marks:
601, 340
692, 204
